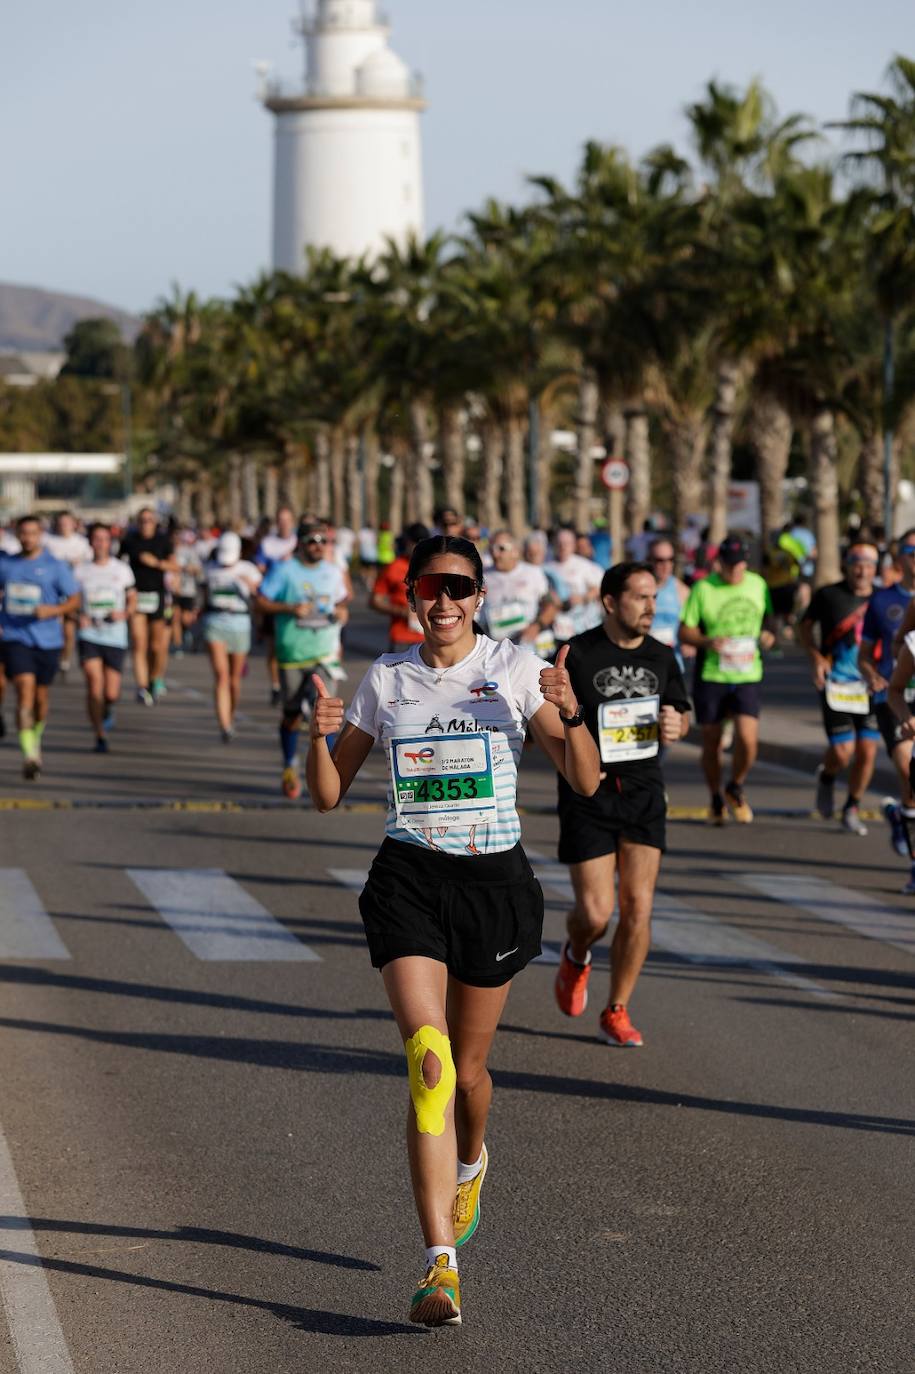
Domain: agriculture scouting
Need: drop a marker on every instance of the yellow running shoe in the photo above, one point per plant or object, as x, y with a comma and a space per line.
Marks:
740, 807
466, 1213
437, 1300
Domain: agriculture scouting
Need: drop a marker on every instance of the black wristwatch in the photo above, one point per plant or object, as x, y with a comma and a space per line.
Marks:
570, 722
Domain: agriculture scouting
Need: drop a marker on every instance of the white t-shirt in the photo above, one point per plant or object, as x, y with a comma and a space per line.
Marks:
513, 599
70, 548
275, 548
454, 738
228, 590
578, 576
104, 588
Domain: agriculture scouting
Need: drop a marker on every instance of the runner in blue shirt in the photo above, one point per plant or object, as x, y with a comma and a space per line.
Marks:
38, 592
876, 659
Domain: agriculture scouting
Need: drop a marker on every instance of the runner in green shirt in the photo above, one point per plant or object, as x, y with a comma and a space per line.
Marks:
727, 618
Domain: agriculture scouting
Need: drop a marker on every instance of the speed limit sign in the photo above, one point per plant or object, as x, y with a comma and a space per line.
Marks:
614, 474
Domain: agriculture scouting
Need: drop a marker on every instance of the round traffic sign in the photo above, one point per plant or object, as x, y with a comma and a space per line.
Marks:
614, 474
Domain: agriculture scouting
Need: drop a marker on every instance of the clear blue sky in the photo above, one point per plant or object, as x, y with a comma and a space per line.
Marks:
135, 155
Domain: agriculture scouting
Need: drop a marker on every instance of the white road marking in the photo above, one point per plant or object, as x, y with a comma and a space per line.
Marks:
26, 929
216, 918
857, 911
353, 879
31, 1316
693, 935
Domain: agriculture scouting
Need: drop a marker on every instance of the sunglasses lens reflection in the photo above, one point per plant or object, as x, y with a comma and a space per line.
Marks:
456, 587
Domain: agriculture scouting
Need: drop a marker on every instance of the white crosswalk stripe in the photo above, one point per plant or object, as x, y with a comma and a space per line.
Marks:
860, 912
26, 929
216, 918
691, 934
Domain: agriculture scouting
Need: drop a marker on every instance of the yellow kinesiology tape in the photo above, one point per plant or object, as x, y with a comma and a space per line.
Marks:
430, 1103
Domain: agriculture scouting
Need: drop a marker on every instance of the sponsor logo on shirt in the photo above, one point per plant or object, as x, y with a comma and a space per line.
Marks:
405, 701
486, 691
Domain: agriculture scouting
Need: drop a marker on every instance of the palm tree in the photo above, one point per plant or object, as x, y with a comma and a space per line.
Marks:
885, 166
742, 147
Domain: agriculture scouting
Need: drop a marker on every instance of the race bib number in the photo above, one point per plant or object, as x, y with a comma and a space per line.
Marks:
849, 697
629, 730
507, 619
22, 598
147, 603
101, 605
738, 655
227, 599
544, 644
443, 780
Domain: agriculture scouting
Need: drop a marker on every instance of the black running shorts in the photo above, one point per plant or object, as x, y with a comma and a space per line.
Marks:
111, 657
621, 809
715, 701
22, 660
480, 915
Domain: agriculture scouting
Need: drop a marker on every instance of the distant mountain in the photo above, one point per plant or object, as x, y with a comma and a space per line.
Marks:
37, 320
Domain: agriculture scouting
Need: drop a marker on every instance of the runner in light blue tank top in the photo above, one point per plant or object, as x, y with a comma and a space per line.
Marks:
670, 598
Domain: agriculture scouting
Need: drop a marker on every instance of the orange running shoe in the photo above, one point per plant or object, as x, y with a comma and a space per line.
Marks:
618, 1030
292, 783
572, 985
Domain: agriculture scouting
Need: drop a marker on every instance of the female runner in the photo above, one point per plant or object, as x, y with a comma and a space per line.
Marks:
451, 909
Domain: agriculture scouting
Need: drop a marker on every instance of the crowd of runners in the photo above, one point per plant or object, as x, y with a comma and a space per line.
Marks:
491, 642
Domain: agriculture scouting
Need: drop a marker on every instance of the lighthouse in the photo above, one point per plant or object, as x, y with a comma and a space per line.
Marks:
347, 159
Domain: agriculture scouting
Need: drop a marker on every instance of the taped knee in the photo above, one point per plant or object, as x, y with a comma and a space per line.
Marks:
430, 1103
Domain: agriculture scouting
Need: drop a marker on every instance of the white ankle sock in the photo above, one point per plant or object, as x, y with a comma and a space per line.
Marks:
433, 1252
579, 963
468, 1171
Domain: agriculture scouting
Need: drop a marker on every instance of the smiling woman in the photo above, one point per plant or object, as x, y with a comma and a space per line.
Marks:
452, 910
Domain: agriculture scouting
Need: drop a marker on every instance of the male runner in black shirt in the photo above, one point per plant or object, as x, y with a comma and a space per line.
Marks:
633, 700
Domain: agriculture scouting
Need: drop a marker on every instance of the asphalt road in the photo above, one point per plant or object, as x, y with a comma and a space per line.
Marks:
204, 1095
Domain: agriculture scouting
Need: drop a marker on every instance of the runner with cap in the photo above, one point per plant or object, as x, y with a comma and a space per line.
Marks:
275, 548
449, 921
634, 700
230, 583
307, 596
728, 619
108, 600
829, 632
38, 592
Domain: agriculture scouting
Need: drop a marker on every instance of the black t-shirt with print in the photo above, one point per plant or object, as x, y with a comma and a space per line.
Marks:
600, 671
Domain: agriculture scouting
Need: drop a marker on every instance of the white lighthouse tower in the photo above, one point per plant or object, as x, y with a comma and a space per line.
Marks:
348, 166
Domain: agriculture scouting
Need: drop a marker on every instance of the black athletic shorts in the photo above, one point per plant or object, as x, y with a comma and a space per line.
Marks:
185, 603
22, 660
783, 598
715, 701
621, 809
889, 727
111, 657
480, 915
844, 726
163, 607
